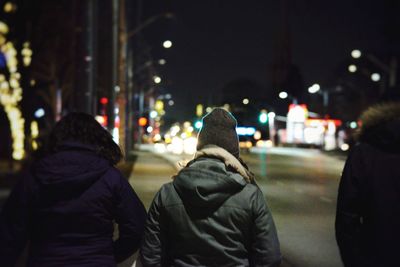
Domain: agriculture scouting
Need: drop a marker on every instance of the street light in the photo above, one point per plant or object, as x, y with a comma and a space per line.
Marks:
283, 95
167, 44
376, 77
314, 88
352, 68
356, 53
157, 79
121, 51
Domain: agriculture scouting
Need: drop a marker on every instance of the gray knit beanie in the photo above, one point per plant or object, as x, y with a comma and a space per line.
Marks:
219, 128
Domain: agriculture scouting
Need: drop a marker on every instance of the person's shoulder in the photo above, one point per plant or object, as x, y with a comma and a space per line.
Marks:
245, 198
167, 195
251, 189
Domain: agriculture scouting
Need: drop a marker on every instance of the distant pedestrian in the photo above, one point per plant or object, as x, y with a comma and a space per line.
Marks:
65, 206
212, 213
368, 207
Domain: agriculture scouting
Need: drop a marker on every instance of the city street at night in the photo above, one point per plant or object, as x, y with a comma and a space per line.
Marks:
300, 186
293, 102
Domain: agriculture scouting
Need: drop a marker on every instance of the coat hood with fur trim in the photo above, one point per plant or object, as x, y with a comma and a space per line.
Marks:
380, 126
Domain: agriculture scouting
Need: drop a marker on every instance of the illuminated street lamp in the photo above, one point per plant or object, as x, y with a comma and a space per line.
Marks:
157, 79
352, 68
167, 44
283, 95
356, 53
246, 101
376, 77
314, 88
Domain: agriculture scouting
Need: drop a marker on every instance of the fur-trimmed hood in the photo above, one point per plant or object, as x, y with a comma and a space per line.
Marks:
380, 126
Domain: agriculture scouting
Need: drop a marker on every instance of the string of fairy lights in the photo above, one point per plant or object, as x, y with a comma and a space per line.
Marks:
11, 92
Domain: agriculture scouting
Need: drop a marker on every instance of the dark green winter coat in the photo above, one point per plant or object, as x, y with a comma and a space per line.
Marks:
210, 216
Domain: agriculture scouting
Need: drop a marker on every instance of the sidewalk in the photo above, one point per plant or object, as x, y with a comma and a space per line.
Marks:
149, 173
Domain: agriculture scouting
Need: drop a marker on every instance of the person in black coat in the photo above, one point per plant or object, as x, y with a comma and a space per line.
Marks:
212, 213
368, 206
67, 204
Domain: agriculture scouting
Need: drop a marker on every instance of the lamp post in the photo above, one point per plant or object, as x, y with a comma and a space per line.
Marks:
123, 95
284, 95
316, 89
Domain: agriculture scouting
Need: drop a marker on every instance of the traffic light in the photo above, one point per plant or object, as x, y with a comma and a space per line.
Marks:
142, 121
198, 124
263, 116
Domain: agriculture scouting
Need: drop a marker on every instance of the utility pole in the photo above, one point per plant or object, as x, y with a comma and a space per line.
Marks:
91, 70
121, 97
114, 73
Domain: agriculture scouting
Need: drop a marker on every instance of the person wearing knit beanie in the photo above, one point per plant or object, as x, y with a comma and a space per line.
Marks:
219, 128
212, 213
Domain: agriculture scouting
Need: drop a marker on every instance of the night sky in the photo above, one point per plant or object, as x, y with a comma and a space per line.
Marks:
216, 42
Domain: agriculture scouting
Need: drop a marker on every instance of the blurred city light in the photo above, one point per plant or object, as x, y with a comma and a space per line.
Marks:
142, 121
104, 100
265, 144
271, 115
39, 113
149, 129
314, 88
263, 116
167, 44
344, 147
9, 7
198, 124
156, 79
189, 145
376, 77
283, 95
162, 61
249, 131
3, 28
153, 114
356, 53
352, 68
171, 102
34, 134
102, 120
353, 125
246, 101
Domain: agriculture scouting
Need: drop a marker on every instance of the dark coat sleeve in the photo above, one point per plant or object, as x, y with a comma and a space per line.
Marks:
14, 222
348, 213
265, 248
151, 249
130, 215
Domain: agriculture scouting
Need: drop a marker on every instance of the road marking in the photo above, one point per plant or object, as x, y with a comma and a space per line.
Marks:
326, 199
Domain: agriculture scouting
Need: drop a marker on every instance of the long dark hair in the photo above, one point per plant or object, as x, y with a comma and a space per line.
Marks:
83, 128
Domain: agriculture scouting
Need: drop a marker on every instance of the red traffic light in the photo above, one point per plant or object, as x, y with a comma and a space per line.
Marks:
104, 100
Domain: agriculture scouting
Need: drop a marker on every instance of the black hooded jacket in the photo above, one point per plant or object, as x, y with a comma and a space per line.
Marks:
368, 207
210, 216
